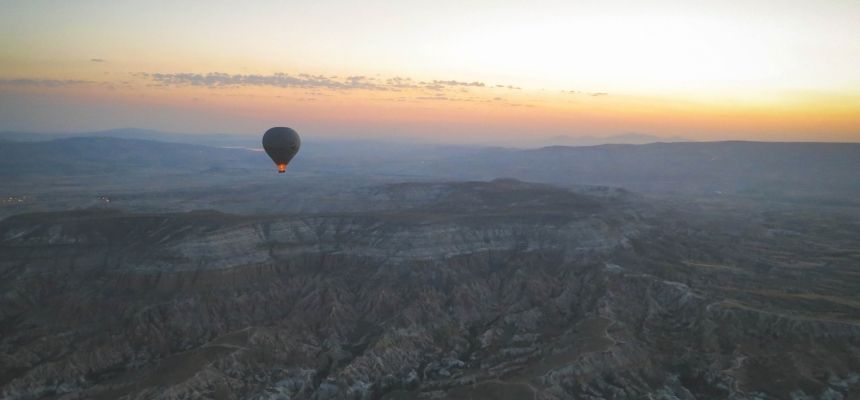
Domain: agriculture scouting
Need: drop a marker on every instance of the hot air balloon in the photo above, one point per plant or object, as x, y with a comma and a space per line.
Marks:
281, 144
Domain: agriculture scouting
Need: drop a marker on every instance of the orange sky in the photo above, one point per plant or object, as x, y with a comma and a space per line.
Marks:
477, 72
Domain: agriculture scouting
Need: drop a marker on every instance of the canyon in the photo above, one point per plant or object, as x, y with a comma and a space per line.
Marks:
497, 289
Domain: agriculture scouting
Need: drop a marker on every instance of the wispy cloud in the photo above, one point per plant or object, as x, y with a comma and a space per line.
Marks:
43, 82
435, 98
592, 94
311, 87
282, 80
308, 81
97, 60
458, 83
401, 83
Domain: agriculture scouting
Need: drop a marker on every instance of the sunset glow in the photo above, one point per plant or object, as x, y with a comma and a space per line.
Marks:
481, 72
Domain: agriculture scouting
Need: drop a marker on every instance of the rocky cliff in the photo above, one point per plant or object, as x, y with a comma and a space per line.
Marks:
491, 290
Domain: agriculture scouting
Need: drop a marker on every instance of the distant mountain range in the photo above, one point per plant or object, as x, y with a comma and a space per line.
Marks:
758, 168
227, 139
803, 170
211, 139
626, 138
93, 155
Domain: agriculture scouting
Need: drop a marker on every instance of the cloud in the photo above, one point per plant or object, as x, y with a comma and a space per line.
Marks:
458, 83
433, 98
402, 83
43, 82
316, 86
98, 60
304, 81
592, 94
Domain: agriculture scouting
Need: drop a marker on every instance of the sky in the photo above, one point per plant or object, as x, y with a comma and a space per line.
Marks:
480, 71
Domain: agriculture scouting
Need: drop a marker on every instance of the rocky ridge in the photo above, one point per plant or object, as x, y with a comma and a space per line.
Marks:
496, 289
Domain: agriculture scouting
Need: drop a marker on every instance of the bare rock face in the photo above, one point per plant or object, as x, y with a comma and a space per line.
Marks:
475, 290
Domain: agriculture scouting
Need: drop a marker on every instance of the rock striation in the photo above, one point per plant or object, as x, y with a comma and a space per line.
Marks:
499, 289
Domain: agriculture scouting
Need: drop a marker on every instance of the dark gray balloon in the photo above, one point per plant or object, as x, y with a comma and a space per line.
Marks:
281, 144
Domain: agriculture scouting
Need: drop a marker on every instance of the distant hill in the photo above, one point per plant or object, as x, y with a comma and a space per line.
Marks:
125, 133
794, 169
626, 138
211, 139
92, 155
798, 170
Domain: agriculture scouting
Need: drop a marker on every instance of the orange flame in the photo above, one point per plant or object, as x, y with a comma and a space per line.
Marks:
282, 168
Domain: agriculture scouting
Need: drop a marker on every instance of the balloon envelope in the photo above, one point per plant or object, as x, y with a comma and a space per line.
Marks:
281, 144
